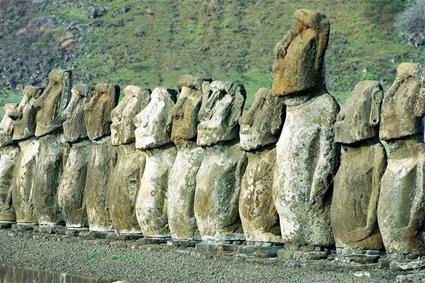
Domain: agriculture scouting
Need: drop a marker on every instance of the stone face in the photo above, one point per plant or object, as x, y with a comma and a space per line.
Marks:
97, 112
74, 127
181, 193
24, 115
8, 159
51, 103
186, 110
217, 192
404, 103
151, 203
101, 161
305, 165
360, 115
122, 127
401, 202
299, 56
49, 169
221, 108
22, 187
259, 217
123, 186
71, 197
6, 125
261, 125
153, 123
355, 196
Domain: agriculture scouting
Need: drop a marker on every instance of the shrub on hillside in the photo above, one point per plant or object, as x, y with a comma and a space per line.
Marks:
383, 12
411, 23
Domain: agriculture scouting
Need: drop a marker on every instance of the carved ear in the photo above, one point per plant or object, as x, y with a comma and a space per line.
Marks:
322, 45
375, 108
420, 100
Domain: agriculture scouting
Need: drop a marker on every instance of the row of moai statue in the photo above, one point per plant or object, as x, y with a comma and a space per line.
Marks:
294, 169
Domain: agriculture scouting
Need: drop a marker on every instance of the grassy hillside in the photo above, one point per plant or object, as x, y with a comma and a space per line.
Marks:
153, 42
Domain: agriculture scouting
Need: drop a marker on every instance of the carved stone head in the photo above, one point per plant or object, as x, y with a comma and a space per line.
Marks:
122, 127
24, 115
221, 108
299, 56
153, 123
404, 103
185, 113
261, 125
52, 102
360, 115
97, 113
74, 127
6, 125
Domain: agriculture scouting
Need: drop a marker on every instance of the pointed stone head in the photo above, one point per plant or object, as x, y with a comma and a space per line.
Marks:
153, 123
404, 103
185, 113
360, 115
299, 56
261, 125
52, 102
122, 128
97, 112
74, 127
24, 115
6, 125
221, 108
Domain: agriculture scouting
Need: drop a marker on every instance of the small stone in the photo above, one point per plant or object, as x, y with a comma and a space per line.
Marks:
361, 274
314, 255
397, 265
285, 254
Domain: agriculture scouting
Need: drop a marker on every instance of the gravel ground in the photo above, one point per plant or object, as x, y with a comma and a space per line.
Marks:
161, 263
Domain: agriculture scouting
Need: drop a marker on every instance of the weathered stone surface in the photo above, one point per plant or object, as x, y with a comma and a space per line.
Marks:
71, 197
24, 115
101, 161
305, 165
6, 125
22, 188
51, 103
97, 112
122, 128
407, 264
123, 186
151, 203
404, 103
181, 192
8, 159
299, 56
355, 196
217, 192
261, 125
259, 217
359, 117
153, 124
74, 127
185, 113
49, 169
401, 202
221, 108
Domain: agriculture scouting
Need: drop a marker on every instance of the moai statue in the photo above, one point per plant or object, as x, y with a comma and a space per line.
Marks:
219, 177
153, 131
307, 156
102, 158
182, 179
125, 178
52, 102
260, 130
354, 208
401, 214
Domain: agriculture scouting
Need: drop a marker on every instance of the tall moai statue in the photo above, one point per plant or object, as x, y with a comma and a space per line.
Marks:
23, 117
125, 178
102, 158
52, 148
354, 208
219, 177
307, 156
182, 179
153, 136
260, 130
401, 215
71, 187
